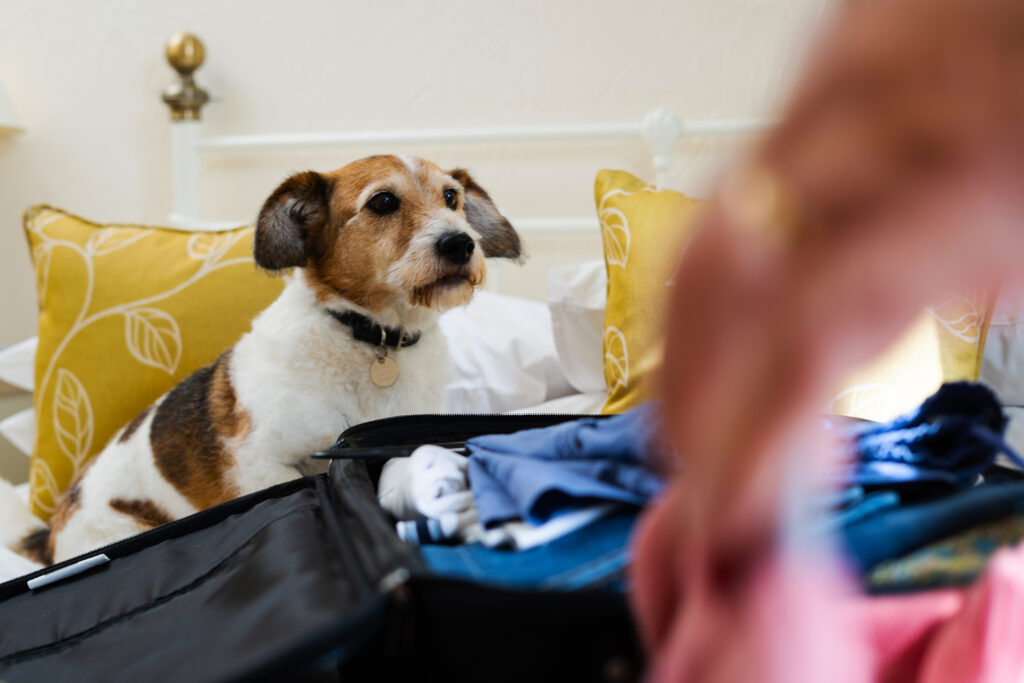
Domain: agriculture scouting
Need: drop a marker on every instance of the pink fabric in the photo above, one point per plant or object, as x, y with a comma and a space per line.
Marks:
795, 622
898, 630
970, 636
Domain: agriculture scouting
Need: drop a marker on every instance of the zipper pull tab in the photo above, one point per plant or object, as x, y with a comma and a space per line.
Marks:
394, 583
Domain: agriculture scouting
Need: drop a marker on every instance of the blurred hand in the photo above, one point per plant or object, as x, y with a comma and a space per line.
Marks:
902, 153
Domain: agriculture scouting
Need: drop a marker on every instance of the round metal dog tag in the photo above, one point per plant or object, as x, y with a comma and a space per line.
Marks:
384, 372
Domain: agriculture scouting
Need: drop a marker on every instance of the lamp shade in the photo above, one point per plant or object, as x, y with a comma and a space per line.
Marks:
9, 120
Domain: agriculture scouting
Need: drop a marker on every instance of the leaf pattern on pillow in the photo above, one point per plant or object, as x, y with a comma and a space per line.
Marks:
72, 415
962, 317
43, 487
615, 229
864, 399
108, 240
205, 245
616, 359
42, 257
154, 338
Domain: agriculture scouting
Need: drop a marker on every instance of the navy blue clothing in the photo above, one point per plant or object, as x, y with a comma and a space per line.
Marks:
928, 462
935, 450
537, 473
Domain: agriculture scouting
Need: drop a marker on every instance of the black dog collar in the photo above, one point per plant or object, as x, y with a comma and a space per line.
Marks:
366, 330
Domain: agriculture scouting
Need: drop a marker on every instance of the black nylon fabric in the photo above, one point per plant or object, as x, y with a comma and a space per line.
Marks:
215, 603
443, 629
306, 581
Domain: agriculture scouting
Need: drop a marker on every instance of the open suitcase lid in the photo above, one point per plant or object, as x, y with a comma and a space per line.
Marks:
303, 581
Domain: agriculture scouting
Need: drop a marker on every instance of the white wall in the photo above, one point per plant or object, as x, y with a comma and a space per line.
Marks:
86, 77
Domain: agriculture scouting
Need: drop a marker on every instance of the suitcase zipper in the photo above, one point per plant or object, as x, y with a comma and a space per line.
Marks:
411, 426
390, 436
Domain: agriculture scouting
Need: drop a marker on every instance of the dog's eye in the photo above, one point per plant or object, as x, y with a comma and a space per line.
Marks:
383, 203
451, 199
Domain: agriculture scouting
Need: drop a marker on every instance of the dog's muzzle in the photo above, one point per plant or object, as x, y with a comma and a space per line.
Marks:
456, 247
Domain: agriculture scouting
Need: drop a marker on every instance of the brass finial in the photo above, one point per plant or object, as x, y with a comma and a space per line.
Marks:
185, 54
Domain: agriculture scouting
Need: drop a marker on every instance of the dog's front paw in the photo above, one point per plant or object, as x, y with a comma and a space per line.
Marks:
430, 482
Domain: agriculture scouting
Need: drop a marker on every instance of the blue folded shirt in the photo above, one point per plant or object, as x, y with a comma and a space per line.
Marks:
537, 473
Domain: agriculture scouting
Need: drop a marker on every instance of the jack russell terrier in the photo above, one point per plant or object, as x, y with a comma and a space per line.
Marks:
380, 248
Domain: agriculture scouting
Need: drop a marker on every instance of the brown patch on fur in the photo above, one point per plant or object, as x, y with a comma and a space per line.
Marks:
229, 419
36, 547
314, 221
145, 512
189, 431
132, 426
67, 505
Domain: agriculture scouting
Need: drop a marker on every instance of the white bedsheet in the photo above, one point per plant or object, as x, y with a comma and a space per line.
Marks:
573, 404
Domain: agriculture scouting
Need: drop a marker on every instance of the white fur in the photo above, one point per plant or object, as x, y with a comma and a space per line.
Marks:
301, 377
411, 163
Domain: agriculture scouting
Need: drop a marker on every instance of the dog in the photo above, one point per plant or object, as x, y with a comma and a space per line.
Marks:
379, 249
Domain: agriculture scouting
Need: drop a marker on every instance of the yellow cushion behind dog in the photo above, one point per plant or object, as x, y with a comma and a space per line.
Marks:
125, 313
643, 230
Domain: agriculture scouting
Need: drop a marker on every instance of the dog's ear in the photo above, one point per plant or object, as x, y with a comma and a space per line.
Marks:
497, 237
291, 221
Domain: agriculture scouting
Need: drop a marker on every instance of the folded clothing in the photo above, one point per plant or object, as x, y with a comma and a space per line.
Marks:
594, 556
537, 473
924, 477
953, 561
897, 532
938, 449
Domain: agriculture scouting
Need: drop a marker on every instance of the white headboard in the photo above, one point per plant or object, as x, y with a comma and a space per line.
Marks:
658, 133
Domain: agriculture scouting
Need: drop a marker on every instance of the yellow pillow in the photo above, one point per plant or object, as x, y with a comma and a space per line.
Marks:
944, 344
643, 230
125, 313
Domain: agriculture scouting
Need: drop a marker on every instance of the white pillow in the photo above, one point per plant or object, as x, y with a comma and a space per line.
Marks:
503, 355
17, 364
576, 404
1002, 365
17, 368
577, 296
20, 430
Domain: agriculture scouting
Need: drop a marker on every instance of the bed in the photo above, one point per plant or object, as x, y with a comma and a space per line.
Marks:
546, 316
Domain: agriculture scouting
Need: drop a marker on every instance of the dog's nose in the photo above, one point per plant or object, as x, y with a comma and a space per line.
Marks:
457, 247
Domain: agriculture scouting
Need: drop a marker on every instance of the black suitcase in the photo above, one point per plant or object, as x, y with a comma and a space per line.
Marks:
305, 581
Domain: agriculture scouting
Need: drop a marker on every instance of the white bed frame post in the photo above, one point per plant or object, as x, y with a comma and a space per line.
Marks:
660, 129
185, 53
186, 199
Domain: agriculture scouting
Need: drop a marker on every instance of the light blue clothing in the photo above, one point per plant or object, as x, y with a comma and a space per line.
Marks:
537, 473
